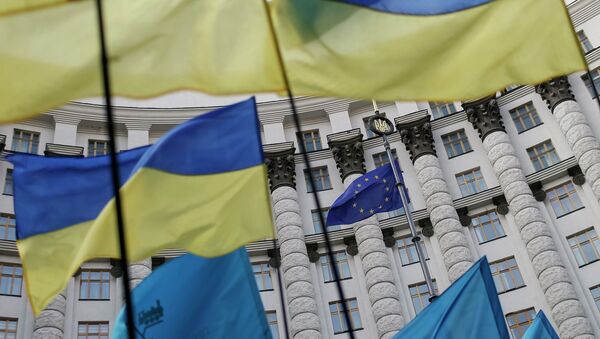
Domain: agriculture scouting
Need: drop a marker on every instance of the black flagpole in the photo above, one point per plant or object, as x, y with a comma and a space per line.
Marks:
297, 126
115, 170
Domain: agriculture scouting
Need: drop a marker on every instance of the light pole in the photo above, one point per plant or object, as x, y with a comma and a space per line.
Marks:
380, 125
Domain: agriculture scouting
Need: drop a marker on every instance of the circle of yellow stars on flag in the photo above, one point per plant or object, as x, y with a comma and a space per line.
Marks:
366, 182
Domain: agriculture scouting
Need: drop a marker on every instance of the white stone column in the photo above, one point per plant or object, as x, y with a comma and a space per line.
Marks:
138, 134
65, 130
50, 324
575, 128
377, 267
416, 136
295, 264
567, 311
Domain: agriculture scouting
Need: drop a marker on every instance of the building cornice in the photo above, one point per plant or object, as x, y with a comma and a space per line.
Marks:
398, 223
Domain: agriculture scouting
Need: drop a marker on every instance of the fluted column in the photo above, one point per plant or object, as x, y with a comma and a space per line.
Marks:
50, 324
416, 136
575, 127
383, 294
295, 264
553, 277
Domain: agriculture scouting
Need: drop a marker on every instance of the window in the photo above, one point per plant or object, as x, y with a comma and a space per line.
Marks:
311, 140
11, 277
8, 328
341, 262
456, 143
471, 182
337, 315
321, 177
595, 77
596, 295
272, 320
7, 227
518, 322
441, 109
92, 330
97, 147
525, 117
382, 158
94, 285
543, 155
408, 251
262, 275
487, 226
317, 222
586, 45
506, 274
25, 141
370, 133
564, 199
419, 293
8, 182
585, 246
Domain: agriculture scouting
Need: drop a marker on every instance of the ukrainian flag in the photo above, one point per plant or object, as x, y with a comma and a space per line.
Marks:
429, 50
200, 188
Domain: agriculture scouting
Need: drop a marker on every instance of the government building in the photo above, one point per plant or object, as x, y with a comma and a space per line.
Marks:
514, 176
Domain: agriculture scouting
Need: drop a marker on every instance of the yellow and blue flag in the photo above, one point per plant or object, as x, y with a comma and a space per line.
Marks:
194, 297
372, 193
201, 188
418, 7
449, 50
540, 328
473, 296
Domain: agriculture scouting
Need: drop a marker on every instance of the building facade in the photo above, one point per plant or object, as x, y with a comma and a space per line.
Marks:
515, 177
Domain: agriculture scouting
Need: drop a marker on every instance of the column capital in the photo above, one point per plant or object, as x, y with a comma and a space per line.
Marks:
274, 257
501, 204
426, 227
463, 216
351, 245
281, 166
348, 153
577, 175
484, 114
312, 251
66, 119
555, 91
417, 137
138, 125
388, 237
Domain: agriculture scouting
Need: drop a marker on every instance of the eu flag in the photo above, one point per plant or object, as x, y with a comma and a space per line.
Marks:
372, 193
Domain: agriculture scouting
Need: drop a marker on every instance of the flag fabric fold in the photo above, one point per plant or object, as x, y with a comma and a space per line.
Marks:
473, 296
194, 297
540, 328
332, 48
372, 193
202, 188
50, 53
418, 7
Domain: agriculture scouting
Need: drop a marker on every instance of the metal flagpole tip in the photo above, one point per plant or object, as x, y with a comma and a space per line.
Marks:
380, 125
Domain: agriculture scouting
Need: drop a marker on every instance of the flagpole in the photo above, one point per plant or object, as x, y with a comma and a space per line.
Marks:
115, 170
416, 239
288, 89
